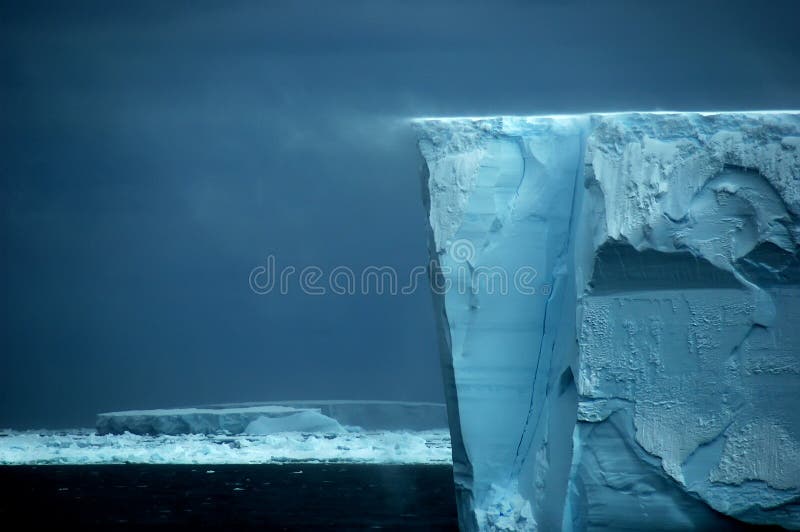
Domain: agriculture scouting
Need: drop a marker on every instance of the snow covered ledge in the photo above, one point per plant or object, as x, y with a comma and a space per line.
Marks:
640, 367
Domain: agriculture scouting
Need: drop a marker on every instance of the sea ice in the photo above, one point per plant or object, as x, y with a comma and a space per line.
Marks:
87, 447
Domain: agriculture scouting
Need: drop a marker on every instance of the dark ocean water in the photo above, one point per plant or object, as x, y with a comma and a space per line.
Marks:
229, 497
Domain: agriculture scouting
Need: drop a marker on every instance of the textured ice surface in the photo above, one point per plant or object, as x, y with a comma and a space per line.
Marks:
235, 418
652, 378
87, 447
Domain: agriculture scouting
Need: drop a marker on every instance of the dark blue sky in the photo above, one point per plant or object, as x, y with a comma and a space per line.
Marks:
153, 153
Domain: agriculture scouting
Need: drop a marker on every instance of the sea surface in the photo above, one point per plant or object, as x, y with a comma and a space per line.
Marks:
297, 496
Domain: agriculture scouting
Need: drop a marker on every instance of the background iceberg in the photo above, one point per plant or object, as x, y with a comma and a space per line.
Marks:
305, 421
649, 374
235, 418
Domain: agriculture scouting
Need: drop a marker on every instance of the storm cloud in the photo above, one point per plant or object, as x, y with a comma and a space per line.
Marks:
154, 153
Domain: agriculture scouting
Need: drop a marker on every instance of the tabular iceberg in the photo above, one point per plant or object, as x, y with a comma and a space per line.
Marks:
618, 298
277, 416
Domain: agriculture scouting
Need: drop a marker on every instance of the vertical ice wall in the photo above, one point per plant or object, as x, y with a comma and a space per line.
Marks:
655, 258
501, 193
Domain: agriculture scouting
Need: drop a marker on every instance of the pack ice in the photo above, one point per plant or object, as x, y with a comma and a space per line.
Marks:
619, 306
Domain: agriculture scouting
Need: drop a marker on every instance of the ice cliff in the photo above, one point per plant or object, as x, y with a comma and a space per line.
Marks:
619, 306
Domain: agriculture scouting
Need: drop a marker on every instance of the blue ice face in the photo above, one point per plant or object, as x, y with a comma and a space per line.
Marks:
649, 376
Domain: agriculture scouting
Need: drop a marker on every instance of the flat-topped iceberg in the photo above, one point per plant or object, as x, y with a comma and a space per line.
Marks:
190, 420
308, 416
618, 298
